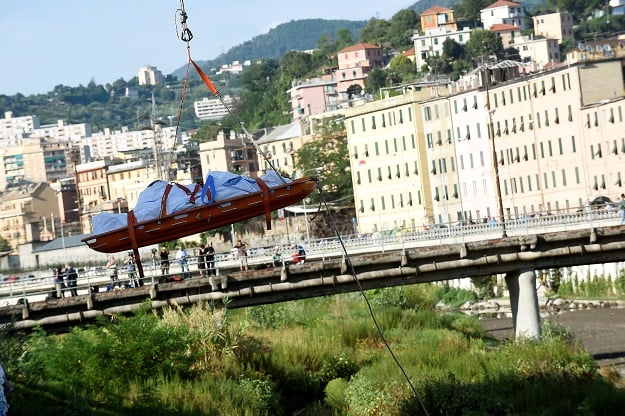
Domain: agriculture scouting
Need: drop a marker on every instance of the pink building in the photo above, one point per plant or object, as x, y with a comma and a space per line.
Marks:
355, 62
313, 96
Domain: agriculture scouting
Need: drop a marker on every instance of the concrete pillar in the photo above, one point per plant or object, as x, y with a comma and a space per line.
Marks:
524, 304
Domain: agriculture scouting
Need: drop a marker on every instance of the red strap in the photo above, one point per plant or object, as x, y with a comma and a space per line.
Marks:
265, 189
132, 223
186, 190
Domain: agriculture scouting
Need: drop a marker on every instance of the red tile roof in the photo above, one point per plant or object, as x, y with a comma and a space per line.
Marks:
502, 3
358, 47
409, 52
503, 27
435, 10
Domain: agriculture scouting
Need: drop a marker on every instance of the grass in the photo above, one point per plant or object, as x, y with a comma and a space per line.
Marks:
320, 356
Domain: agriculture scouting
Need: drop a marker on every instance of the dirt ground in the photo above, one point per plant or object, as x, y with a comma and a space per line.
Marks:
600, 331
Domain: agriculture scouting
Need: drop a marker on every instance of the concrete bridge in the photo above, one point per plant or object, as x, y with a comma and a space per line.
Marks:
365, 266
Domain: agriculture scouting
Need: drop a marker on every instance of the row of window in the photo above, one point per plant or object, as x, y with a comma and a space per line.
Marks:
387, 147
383, 120
401, 200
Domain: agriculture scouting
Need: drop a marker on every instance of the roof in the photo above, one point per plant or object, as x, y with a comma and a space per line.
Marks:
68, 241
503, 27
284, 132
435, 10
502, 3
358, 47
409, 52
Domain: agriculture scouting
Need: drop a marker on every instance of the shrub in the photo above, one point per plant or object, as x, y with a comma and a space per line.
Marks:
335, 394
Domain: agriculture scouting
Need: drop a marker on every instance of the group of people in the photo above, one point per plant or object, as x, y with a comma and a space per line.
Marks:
64, 279
205, 262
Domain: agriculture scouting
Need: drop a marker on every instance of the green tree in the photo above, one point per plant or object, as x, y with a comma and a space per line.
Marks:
4, 244
296, 64
343, 39
328, 150
482, 45
403, 66
375, 31
469, 10
375, 80
402, 27
353, 91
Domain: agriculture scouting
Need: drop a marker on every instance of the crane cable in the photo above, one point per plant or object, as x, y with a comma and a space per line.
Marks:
185, 35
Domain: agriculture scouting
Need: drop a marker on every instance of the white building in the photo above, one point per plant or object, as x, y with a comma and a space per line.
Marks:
431, 43
503, 11
212, 108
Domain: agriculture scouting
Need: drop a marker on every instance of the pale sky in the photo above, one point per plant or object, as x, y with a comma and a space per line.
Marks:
45, 43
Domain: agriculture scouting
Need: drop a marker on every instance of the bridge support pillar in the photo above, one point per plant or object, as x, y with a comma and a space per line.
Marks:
524, 304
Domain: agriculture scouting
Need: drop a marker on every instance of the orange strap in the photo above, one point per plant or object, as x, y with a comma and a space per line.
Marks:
205, 78
265, 189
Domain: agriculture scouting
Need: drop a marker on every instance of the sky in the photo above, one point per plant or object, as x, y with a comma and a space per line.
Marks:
45, 43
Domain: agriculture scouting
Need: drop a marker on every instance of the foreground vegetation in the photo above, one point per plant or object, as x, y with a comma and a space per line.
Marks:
320, 356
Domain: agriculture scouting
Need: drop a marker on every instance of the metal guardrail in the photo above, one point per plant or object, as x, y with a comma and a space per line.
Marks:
39, 288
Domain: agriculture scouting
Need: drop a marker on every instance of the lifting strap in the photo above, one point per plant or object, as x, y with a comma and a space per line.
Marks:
266, 203
186, 190
132, 223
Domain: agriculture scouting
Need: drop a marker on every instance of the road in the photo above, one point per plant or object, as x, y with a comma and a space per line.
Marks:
600, 331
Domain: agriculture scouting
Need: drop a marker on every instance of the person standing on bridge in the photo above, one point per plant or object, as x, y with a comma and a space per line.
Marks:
241, 254
621, 209
164, 255
111, 267
72, 279
59, 286
182, 256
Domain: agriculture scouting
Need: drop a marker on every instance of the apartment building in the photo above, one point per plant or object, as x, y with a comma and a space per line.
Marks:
23, 212
557, 25
213, 108
13, 128
314, 96
388, 161
437, 25
281, 144
232, 153
541, 51
436, 17
503, 11
553, 139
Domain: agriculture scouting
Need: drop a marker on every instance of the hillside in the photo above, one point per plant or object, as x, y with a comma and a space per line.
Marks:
295, 35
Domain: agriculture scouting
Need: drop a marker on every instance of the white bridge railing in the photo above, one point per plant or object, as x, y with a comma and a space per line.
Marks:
40, 285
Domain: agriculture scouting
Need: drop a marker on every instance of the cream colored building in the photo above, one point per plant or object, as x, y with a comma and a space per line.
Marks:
282, 143
557, 141
149, 75
233, 153
542, 51
557, 25
389, 165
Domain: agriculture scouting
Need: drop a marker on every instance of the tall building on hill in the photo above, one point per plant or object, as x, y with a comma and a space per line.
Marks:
149, 75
